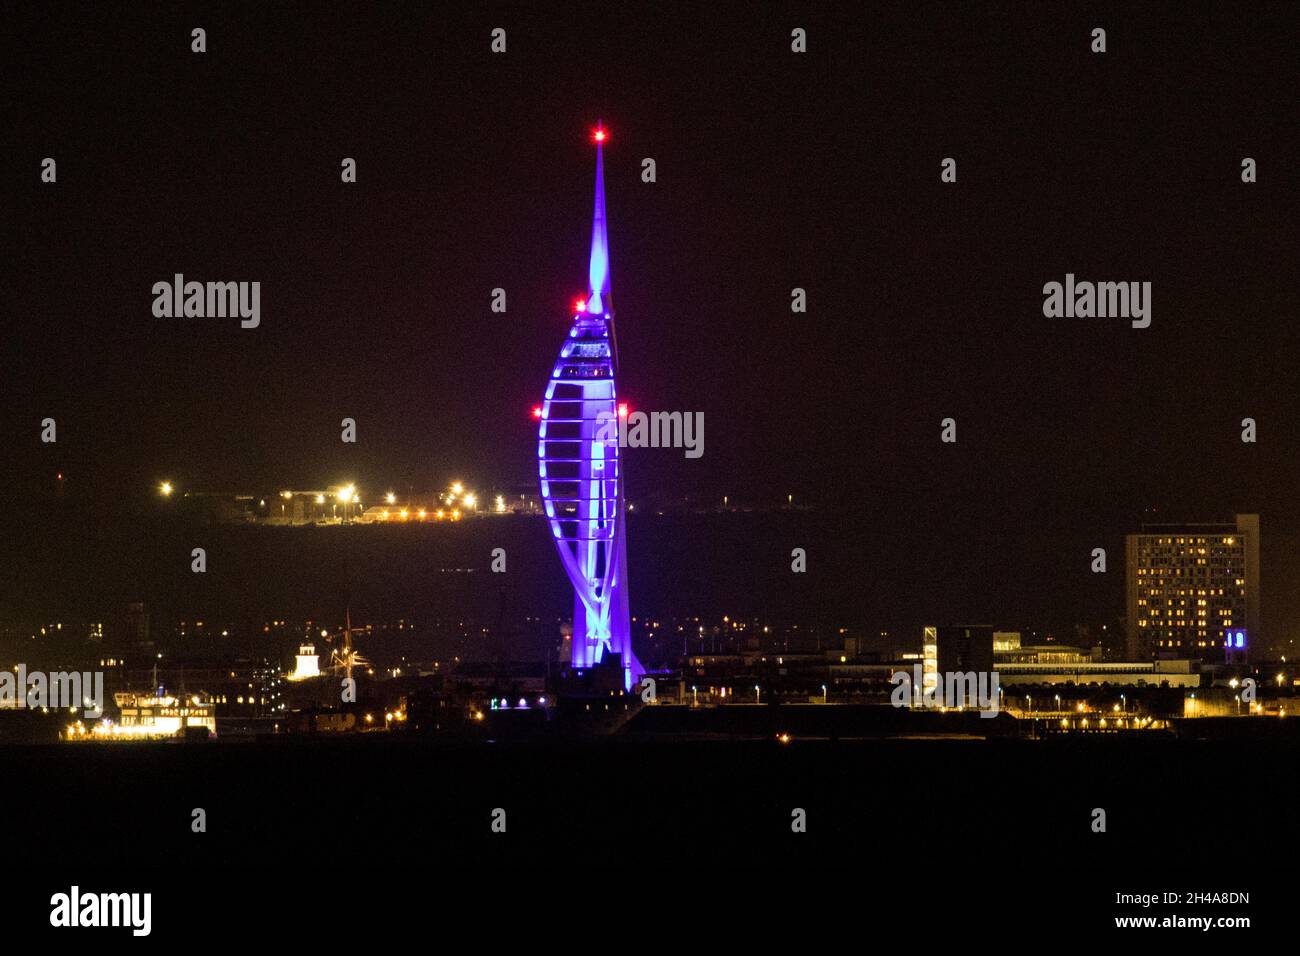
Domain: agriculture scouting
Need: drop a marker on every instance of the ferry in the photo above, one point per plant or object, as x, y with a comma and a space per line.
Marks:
154, 715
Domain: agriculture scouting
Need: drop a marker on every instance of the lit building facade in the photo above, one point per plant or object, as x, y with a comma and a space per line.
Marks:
1193, 591
929, 660
955, 649
306, 665
580, 466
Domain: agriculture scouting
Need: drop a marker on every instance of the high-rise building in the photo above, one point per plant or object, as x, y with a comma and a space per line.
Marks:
580, 465
1193, 590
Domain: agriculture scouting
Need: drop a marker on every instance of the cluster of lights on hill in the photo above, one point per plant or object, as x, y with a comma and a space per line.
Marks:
451, 504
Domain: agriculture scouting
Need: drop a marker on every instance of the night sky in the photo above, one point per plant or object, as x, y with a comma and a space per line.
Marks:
775, 170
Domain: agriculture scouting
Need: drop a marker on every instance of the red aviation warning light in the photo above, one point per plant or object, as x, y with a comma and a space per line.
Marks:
537, 411
580, 305
622, 409
599, 135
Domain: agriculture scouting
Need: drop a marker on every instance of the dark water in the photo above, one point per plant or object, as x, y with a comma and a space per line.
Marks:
870, 569
66, 564
974, 821
733, 798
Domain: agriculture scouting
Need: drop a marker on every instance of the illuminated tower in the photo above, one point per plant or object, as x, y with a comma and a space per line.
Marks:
580, 464
308, 663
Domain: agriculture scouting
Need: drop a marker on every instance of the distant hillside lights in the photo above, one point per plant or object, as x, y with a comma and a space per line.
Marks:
208, 300
344, 505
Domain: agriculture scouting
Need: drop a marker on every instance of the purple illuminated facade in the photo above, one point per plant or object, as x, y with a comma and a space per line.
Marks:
581, 466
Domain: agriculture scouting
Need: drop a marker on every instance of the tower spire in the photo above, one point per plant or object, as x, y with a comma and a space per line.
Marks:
598, 270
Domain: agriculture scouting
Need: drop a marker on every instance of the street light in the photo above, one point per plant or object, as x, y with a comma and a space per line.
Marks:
825, 696
165, 488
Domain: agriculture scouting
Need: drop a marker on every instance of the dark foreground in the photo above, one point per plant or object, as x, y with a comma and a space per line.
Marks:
896, 829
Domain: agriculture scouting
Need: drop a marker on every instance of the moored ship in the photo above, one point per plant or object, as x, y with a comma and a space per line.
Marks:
154, 715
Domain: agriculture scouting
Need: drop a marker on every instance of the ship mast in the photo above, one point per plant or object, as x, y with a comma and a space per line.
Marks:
347, 641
